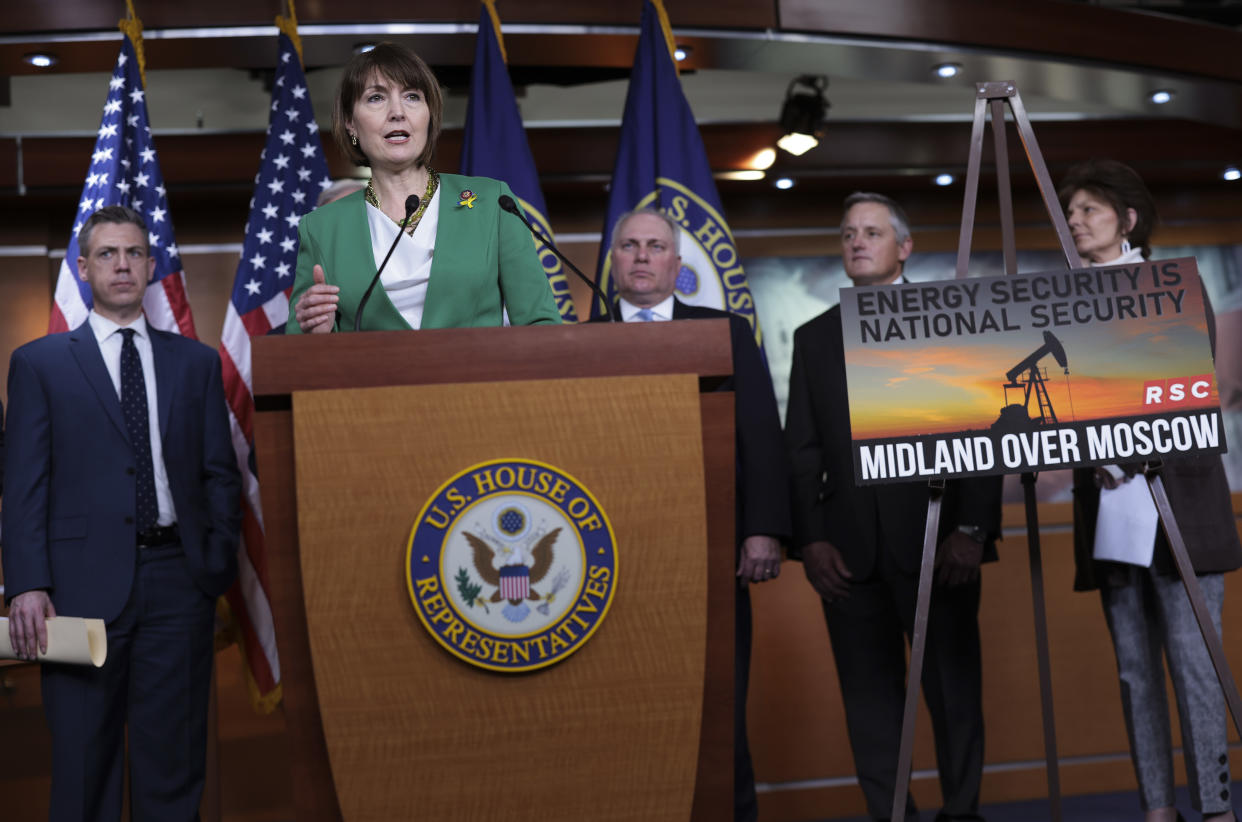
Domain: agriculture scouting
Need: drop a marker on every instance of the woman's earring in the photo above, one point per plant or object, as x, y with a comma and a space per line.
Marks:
1125, 245
353, 139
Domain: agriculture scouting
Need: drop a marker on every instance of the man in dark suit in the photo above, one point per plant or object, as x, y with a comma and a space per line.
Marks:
861, 548
122, 504
645, 263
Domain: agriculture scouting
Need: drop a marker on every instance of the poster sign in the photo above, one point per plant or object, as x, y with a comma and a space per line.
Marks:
1030, 372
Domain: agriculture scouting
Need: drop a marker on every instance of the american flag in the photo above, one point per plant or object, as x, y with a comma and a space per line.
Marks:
125, 171
292, 172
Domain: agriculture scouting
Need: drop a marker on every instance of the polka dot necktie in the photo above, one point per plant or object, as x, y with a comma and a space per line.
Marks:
134, 408
645, 315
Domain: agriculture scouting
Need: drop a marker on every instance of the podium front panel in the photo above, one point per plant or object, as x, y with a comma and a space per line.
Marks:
609, 733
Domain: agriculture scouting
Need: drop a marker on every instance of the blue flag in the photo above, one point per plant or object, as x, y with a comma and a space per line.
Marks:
661, 163
494, 145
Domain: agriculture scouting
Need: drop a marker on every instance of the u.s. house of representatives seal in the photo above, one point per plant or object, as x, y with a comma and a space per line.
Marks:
512, 565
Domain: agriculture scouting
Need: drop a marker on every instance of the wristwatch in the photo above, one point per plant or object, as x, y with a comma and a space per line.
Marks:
976, 532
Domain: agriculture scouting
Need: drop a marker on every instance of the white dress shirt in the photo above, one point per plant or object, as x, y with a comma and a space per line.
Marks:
660, 312
108, 335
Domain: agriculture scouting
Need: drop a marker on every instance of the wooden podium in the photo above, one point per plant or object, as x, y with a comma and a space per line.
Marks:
355, 432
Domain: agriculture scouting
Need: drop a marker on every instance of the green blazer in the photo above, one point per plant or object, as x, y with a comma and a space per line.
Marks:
484, 261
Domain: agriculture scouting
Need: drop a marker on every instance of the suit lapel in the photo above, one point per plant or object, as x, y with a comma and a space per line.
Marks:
357, 261
165, 376
85, 350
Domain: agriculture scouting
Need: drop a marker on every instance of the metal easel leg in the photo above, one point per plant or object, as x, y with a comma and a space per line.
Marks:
918, 644
1195, 593
1041, 646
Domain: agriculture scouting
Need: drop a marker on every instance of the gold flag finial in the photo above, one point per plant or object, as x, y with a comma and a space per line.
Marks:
668, 32
500, 38
131, 27
289, 27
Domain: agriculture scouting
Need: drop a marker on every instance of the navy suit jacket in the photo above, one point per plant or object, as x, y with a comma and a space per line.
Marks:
69, 507
762, 463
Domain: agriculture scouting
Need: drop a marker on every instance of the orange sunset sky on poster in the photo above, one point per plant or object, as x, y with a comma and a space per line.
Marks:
907, 388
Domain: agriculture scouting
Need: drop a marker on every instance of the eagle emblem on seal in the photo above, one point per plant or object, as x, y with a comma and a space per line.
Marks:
520, 561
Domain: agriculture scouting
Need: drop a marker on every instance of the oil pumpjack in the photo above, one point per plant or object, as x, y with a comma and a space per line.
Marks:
1029, 378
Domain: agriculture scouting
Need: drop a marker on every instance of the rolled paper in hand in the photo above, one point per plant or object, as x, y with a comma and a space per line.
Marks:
72, 640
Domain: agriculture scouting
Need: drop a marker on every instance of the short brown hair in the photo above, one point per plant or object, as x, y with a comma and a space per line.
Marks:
400, 65
113, 215
1122, 188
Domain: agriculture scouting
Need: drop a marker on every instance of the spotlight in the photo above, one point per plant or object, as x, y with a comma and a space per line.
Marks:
797, 144
763, 159
682, 52
1161, 96
784, 183
742, 174
803, 113
1232, 173
944, 179
947, 70
41, 60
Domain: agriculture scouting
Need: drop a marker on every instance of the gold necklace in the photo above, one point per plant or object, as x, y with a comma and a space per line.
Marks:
433, 183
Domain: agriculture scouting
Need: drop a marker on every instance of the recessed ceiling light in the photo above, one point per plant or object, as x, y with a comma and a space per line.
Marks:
743, 174
947, 70
784, 183
1161, 96
944, 179
1232, 173
682, 52
41, 59
763, 159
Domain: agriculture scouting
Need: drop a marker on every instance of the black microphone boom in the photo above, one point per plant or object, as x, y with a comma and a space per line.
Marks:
411, 205
507, 204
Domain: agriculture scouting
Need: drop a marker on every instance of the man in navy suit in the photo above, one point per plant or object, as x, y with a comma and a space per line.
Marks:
645, 263
122, 504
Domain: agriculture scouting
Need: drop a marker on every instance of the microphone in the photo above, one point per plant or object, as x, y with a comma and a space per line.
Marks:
507, 204
411, 205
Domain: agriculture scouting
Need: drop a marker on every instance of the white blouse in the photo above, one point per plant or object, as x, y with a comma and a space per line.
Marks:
408, 272
1125, 529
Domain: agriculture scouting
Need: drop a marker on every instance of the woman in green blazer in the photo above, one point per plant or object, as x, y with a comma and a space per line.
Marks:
463, 261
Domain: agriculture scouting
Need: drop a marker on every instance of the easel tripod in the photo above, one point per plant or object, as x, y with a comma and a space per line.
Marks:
992, 97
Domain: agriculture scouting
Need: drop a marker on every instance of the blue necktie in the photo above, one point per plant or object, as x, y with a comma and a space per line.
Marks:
645, 315
134, 408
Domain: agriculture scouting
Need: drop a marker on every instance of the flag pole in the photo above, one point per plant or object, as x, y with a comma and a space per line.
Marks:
131, 27
500, 38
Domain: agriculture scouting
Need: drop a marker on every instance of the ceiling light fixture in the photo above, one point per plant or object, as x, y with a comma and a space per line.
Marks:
763, 159
1232, 173
803, 113
1161, 96
797, 144
784, 183
944, 179
41, 59
947, 70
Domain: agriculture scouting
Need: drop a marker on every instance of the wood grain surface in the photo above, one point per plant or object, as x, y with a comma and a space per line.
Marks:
412, 732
